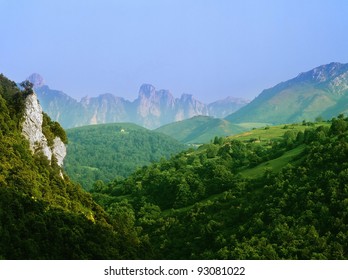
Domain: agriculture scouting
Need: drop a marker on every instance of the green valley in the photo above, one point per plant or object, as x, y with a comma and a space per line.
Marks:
284, 198
102, 152
272, 192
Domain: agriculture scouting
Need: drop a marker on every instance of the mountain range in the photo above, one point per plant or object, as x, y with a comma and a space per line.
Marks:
151, 109
279, 192
320, 92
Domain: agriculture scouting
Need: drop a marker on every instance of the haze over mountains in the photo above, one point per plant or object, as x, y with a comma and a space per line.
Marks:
153, 108
320, 92
278, 192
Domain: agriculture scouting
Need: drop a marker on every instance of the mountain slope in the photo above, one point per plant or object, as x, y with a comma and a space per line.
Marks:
104, 151
200, 129
223, 108
283, 198
43, 215
321, 92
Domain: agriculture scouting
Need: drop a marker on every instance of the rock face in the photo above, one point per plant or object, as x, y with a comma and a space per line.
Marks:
59, 150
107, 108
156, 108
152, 108
32, 130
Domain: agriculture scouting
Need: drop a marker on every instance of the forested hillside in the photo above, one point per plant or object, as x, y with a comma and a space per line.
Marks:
42, 215
281, 197
102, 152
272, 193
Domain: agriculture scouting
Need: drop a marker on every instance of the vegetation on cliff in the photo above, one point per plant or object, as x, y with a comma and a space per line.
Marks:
42, 215
272, 193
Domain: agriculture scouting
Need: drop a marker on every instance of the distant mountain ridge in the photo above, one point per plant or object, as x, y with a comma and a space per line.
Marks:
151, 109
320, 92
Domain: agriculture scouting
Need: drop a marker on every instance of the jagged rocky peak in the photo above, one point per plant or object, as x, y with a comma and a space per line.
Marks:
32, 130
147, 90
36, 79
325, 72
186, 97
166, 98
188, 100
148, 93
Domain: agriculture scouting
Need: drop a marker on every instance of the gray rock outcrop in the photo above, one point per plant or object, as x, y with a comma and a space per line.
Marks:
32, 130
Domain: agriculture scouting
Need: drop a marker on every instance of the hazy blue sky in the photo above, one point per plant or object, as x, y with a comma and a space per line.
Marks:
211, 49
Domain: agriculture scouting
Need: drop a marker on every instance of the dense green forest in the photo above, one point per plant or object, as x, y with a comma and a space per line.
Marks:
272, 193
265, 198
42, 215
104, 151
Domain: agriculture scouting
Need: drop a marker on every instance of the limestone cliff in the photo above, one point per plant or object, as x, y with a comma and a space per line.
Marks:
32, 130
